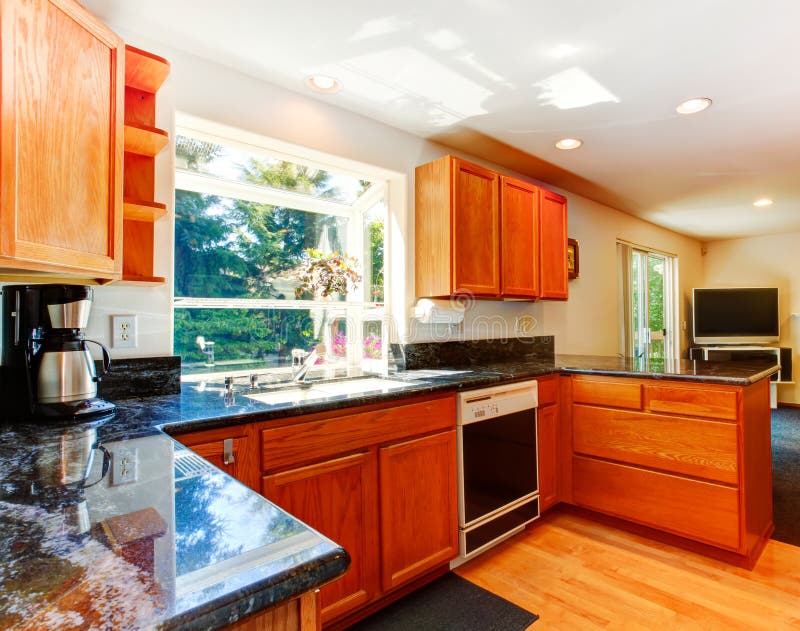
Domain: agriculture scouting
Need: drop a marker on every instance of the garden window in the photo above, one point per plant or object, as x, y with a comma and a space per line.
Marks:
274, 254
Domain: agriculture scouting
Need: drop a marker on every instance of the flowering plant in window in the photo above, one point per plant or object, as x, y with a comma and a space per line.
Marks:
327, 274
372, 347
339, 344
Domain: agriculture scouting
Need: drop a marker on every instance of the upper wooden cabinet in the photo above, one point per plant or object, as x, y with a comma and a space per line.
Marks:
457, 229
553, 226
520, 238
489, 235
61, 140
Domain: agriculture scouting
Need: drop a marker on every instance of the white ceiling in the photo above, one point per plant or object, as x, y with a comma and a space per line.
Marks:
525, 73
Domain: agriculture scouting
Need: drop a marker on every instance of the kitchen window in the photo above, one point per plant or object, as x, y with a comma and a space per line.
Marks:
251, 222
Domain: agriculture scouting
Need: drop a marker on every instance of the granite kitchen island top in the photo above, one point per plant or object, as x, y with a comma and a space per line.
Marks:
220, 550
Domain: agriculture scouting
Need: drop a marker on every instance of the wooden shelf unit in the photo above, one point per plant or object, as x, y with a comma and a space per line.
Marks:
144, 75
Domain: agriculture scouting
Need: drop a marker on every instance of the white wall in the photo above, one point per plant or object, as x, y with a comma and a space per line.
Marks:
586, 324
770, 261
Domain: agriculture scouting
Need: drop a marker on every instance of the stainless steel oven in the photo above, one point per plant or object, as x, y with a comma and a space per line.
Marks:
498, 479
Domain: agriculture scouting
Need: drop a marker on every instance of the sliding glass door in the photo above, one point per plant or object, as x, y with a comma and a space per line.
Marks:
648, 292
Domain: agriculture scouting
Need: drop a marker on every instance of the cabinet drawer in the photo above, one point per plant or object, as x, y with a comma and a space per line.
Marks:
306, 442
548, 390
705, 402
704, 449
616, 394
702, 511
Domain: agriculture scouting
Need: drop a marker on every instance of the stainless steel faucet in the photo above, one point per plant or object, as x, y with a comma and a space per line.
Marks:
308, 362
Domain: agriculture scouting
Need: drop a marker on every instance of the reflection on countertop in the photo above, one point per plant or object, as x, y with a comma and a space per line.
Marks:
185, 543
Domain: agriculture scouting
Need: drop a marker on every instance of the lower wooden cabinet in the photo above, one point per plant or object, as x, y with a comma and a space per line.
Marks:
380, 481
689, 459
419, 507
232, 449
338, 497
548, 441
547, 428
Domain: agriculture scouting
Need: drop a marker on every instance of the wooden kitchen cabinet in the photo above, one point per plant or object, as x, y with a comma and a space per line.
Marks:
488, 235
380, 481
520, 232
547, 429
458, 230
338, 497
553, 252
241, 454
61, 141
692, 460
418, 508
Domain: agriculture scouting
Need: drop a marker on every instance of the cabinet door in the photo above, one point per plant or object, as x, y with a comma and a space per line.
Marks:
553, 224
476, 225
337, 497
239, 458
547, 431
419, 511
61, 140
519, 237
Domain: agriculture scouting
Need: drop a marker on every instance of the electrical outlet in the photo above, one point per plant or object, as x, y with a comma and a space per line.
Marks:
123, 329
124, 464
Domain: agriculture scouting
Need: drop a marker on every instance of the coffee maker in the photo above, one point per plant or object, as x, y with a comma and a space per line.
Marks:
47, 371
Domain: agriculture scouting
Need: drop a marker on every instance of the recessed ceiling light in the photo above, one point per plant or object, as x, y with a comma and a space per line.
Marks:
323, 83
764, 201
569, 143
692, 106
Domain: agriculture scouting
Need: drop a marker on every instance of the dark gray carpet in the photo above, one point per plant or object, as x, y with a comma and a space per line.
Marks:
786, 474
450, 603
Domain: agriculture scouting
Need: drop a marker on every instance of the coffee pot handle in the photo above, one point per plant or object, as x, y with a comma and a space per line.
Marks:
106, 359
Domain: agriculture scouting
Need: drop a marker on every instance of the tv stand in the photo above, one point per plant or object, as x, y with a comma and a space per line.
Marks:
781, 355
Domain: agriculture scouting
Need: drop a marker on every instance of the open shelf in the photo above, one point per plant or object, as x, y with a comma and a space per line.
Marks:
144, 211
144, 140
144, 71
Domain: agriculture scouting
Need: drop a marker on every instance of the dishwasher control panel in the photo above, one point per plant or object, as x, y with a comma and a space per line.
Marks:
486, 403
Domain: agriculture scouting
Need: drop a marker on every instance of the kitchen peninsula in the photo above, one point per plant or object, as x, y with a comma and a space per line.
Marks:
225, 552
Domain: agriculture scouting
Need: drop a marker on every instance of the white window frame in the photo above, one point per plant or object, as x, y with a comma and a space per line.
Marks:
356, 309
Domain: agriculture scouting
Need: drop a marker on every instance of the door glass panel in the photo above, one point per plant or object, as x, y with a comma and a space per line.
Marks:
655, 303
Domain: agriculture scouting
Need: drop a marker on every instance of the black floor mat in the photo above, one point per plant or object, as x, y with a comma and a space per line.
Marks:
786, 474
449, 603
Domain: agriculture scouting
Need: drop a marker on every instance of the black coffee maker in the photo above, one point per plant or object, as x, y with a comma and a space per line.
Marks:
46, 370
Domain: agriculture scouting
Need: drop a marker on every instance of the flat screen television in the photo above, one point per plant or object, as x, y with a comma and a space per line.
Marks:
742, 315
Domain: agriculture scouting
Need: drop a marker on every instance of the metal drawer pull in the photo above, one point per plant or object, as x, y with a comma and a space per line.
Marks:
227, 451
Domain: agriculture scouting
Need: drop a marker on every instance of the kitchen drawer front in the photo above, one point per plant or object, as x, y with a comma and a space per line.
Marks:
703, 449
607, 391
702, 511
705, 402
316, 439
548, 390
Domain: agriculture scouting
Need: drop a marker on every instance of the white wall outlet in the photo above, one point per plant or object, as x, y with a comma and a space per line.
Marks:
124, 465
524, 325
123, 331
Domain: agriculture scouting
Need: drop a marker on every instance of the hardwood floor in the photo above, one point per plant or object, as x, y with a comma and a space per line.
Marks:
576, 573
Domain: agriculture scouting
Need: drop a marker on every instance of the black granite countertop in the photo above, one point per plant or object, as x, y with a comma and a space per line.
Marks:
224, 550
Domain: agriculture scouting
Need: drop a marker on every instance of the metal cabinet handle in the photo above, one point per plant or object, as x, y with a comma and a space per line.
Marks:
227, 451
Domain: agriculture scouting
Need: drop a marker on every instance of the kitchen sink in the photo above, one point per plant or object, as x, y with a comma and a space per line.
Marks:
326, 389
